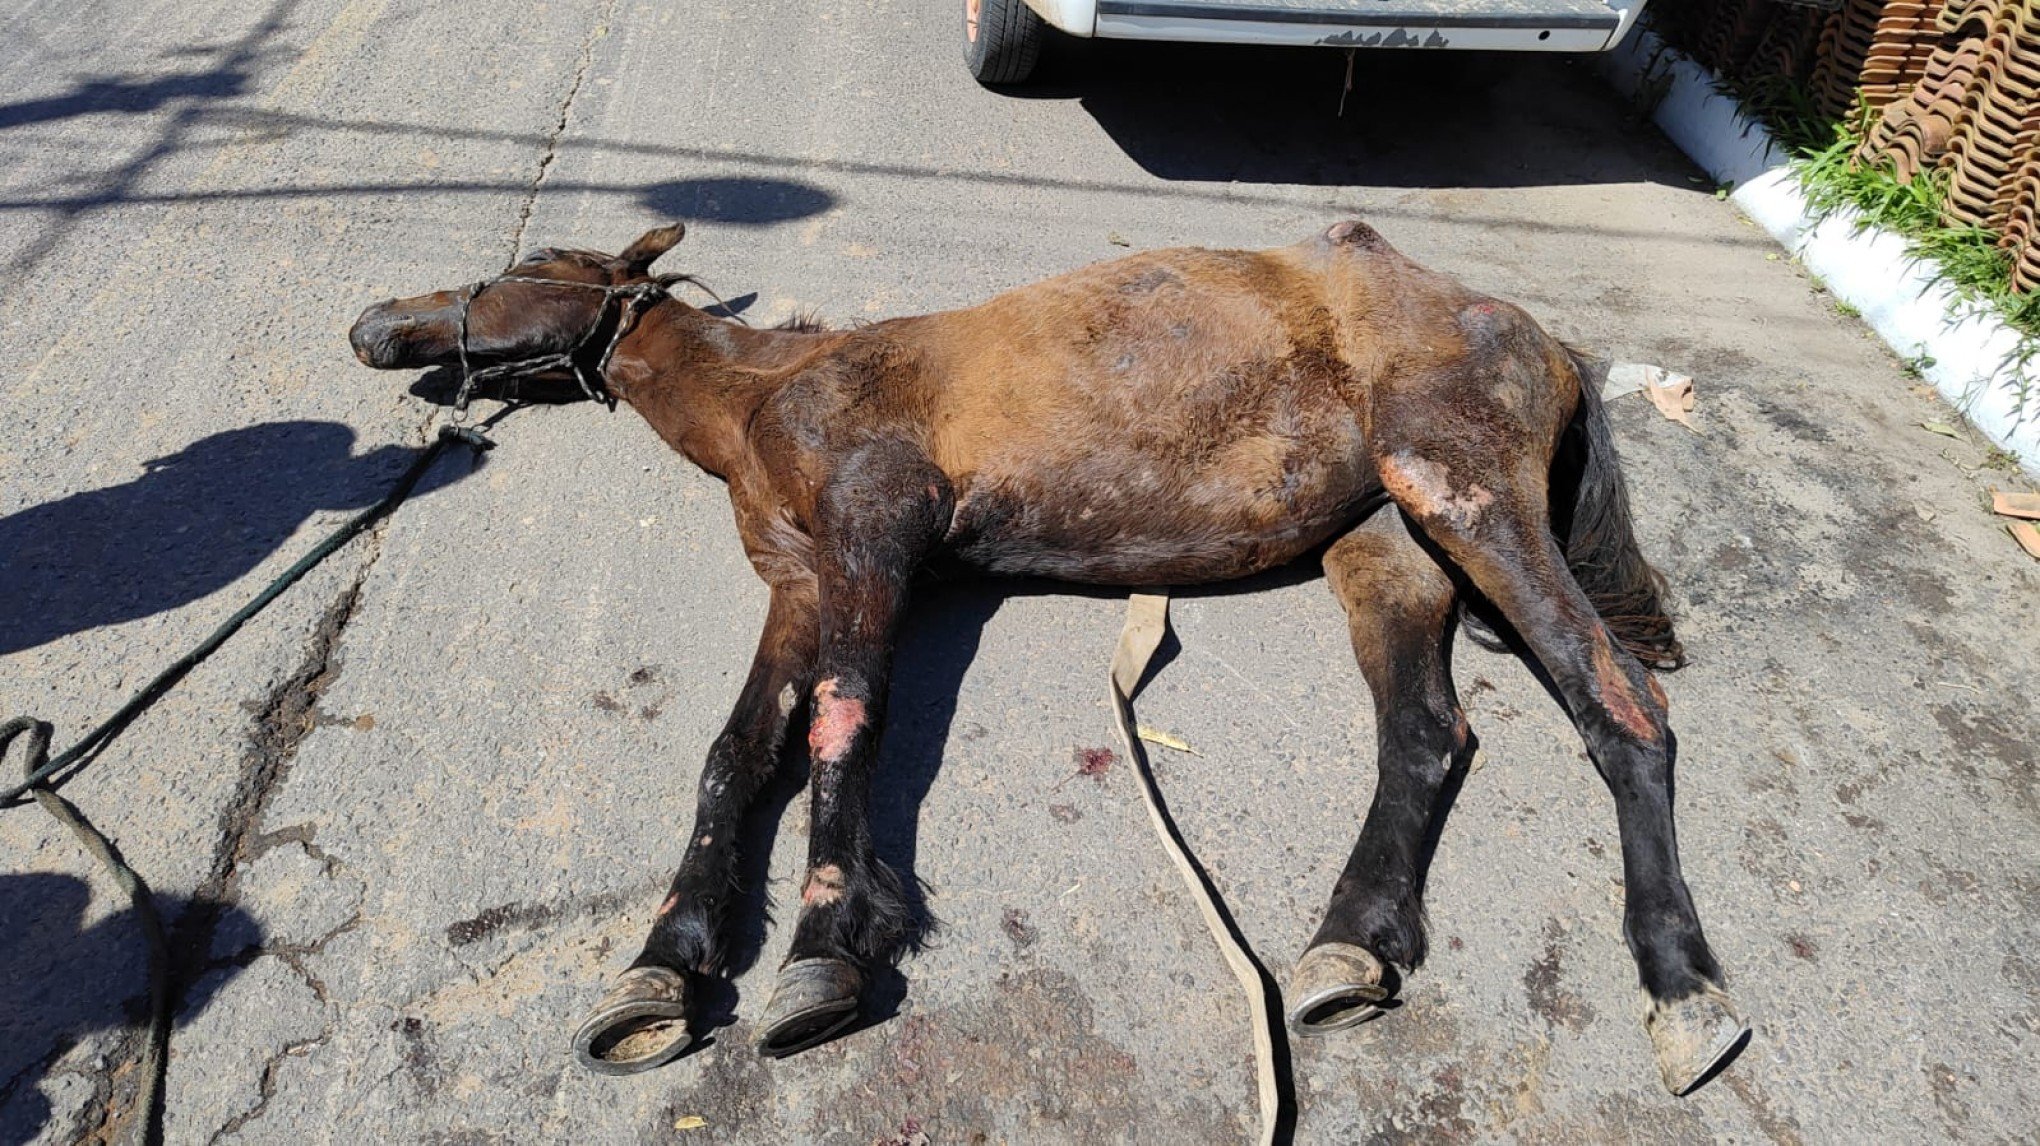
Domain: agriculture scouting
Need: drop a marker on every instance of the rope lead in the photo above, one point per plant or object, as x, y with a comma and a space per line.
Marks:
43, 774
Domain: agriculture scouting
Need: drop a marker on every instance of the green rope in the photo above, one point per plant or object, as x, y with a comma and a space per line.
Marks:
81, 753
150, 1100
45, 774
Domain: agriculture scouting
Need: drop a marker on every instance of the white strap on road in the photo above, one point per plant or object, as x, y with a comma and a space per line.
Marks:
1147, 619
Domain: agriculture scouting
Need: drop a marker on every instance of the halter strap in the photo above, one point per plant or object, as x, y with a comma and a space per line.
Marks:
637, 298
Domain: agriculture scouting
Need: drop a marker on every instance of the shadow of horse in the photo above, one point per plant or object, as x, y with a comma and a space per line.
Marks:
939, 639
193, 523
62, 980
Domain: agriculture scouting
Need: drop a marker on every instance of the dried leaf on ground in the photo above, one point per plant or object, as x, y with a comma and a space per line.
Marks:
1166, 740
1943, 429
2026, 505
1674, 399
1116, 239
689, 1122
2028, 537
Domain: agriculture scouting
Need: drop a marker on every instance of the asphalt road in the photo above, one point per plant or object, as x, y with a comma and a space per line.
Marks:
411, 820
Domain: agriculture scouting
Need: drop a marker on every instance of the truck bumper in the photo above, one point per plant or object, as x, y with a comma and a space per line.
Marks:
1472, 25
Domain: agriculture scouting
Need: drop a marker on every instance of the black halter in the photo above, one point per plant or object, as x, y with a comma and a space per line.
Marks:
637, 297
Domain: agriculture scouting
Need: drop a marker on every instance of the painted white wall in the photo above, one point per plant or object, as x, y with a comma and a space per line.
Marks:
1868, 268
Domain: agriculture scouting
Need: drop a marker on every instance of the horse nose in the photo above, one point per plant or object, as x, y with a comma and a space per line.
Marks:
375, 337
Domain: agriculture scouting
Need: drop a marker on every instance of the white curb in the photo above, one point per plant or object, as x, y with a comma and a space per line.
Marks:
1969, 348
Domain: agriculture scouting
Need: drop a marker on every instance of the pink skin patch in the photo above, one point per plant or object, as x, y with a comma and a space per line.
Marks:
672, 901
1619, 696
837, 721
1424, 487
824, 886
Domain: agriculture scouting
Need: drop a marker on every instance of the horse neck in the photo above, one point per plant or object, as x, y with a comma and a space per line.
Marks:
698, 380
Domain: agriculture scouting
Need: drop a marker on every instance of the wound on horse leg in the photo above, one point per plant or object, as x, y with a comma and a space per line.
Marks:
1620, 696
824, 886
837, 721
1425, 488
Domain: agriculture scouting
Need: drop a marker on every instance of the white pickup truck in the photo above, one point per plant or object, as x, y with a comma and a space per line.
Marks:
1002, 38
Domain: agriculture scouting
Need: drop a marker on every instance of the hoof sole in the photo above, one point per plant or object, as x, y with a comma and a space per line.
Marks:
813, 1000
1336, 986
639, 1024
1694, 1037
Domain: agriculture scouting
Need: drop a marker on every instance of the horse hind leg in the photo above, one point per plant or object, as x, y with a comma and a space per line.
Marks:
1481, 495
1399, 607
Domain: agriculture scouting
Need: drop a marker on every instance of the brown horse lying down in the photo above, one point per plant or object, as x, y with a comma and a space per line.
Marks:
1170, 418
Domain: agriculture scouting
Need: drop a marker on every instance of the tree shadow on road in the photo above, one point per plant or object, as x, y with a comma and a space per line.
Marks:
124, 94
193, 523
63, 980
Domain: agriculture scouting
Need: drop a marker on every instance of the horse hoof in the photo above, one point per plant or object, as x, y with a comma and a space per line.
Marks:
1335, 985
1694, 1037
639, 1024
813, 1000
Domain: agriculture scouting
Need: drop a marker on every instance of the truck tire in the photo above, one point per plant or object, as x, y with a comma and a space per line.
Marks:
1001, 40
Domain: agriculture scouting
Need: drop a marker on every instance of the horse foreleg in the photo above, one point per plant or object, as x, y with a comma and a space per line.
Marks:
877, 519
642, 1021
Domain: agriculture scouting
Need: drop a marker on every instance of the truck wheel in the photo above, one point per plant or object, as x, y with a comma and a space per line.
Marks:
1001, 40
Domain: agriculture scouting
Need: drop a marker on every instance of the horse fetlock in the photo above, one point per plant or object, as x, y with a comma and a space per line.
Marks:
859, 913
824, 885
686, 933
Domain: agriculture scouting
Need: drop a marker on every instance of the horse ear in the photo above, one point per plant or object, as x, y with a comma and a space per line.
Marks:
640, 256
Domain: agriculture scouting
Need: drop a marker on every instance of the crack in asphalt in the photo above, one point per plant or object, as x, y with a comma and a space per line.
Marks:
268, 1083
114, 1089
282, 721
294, 956
559, 127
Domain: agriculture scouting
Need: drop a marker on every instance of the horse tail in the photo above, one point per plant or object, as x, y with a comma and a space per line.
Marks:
1590, 516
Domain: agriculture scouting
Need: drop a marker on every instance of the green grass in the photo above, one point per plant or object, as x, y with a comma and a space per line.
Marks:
1967, 259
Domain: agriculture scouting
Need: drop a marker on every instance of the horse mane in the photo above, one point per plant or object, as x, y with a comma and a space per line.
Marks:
803, 322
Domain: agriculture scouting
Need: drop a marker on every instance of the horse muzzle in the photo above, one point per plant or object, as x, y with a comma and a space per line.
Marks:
392, 336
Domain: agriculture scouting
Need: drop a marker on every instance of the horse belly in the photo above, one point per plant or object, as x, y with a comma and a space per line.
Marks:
1139, 521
